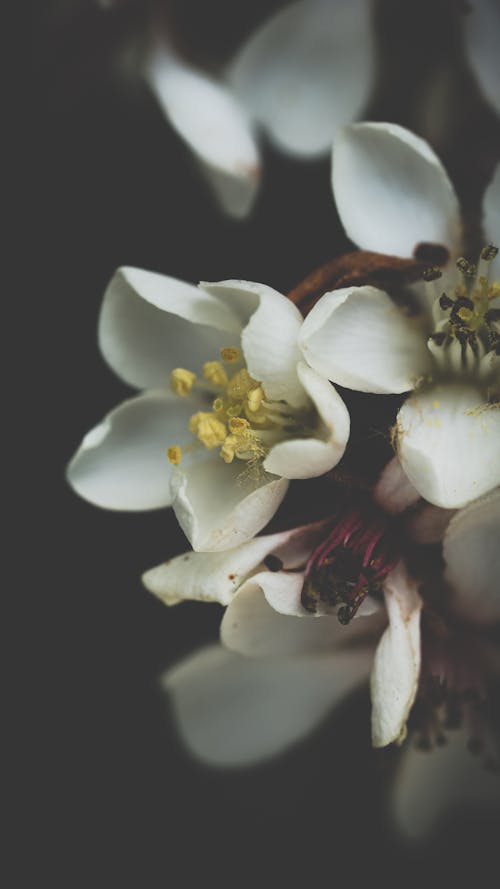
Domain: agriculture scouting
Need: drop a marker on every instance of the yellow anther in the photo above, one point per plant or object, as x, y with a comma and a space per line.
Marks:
239, 384
255, 398
238, 425
215, 373
465, 314
182, 381
230, 354
174, 454
228, 449
208, 429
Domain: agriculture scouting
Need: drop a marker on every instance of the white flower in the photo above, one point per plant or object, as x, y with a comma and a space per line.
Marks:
284, 606
303, 73
394, 196
235, 710
257, 417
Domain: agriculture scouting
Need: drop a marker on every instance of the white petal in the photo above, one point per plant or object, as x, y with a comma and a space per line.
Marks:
396, 668
218, 508
471, 549
447, 779
269, 337
307, 71
122, 462
310, 457
266, 619
234, 711
448, 444
393, 492
358, 338
491, 220
150, 324
482, 27
215, 576
213, 123
392, 191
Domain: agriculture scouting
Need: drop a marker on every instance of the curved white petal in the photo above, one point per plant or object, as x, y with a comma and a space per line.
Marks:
269, 337
218, 508
430, 784
396, 667
491, 218
393, 492
358, 338
392, 191
122, 462
215, 576
266, 619
234, 711
447, 443
150, 324
310, 457
307, 71
213, 123
471, 549
482, 27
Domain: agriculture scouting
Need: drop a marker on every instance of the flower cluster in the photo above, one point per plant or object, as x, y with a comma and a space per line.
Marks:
399, 581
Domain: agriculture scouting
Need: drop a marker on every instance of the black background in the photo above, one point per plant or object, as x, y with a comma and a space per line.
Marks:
119, 801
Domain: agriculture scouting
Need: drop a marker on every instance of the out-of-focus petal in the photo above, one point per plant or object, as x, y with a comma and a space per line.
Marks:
471, 549
235, 711
396, 667
431, 784
214, 124
122, 462
307, 71
309, 457
269, 337
482, 27
150, 324
358, 338
491, 216
218, 507
428, 523
392, 191
447, 443
393, 491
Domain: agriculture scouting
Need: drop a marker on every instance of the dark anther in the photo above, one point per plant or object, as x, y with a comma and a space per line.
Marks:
272, 563
344, 615
489, 252
492, 315
445, 301
432, 273
434, 254
467, 268
424, 744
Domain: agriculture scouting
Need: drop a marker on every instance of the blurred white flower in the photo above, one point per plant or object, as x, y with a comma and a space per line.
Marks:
394, 196
301, 75
246, 415
282, 666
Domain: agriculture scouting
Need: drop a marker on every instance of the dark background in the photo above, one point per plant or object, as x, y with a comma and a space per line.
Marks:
119, 801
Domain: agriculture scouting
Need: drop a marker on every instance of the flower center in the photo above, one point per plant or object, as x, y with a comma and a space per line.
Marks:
467, 330
242, 423
350, 563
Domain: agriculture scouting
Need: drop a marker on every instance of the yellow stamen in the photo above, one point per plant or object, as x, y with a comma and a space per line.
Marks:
239, 384
215, 373
230, 354
182, 381
255, 398
208, 429
238, 425
464, 313
174, 454
228, 449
